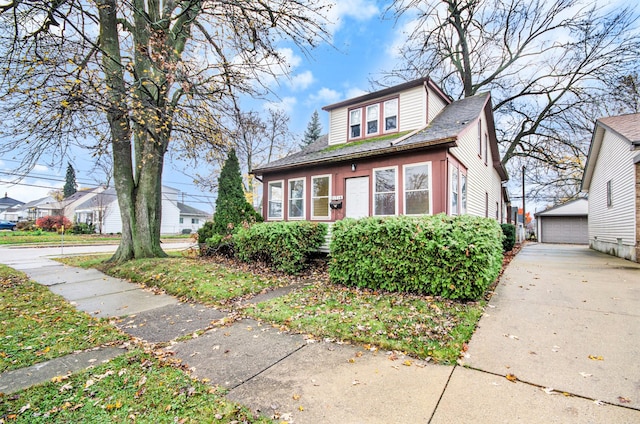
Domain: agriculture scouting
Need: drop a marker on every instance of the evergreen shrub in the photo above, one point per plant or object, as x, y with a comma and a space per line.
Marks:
284, 245
509, 240
454, 257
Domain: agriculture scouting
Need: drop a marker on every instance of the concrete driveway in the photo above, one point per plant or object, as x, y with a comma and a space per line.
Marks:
567, 318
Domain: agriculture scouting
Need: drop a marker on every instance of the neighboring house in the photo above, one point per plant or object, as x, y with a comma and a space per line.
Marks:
103, 211
612, 180
32, 210
405, 150
191, 219
7, 202
69, 204
566, 223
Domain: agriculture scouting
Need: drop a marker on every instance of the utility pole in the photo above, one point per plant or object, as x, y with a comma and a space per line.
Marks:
524, 212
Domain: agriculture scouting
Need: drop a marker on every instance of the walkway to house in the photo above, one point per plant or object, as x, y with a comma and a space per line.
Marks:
564, 325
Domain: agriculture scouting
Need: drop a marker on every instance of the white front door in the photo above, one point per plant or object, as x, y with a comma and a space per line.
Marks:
357, 197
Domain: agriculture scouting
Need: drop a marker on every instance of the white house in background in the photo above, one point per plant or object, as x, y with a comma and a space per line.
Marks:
191, 219
33, 210
68, 205
612, 180
566, 223
7, 202
103, 211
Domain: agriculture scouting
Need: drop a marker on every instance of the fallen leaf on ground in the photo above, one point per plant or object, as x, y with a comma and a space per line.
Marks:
623, 399
296, 396
511, 377
596, 358
585, 375
549, 390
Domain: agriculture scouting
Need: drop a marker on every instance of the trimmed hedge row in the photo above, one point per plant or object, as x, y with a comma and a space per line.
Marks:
454, 257
284, 245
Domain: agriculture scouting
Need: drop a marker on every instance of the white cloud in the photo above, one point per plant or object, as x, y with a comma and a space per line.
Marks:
360, 10
287, 104
324, 96
40, 168
301, 81
355, 92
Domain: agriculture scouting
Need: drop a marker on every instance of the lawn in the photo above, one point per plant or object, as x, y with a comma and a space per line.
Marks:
140, 386
38, 325
46, 237
422, 326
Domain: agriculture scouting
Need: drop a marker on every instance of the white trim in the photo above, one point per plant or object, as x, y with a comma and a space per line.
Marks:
275, 218
452, 169
429, 188
385, 115
350, 123
464, 193
304, 192
377, 119
321, 217
374, 192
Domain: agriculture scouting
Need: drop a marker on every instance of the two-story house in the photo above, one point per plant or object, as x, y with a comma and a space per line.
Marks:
404, 150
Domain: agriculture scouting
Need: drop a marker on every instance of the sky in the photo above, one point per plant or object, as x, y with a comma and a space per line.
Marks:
362, 47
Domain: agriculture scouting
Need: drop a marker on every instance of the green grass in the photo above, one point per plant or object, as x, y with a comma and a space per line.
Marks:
417, 325
38, 325
192, 279
45, 237
368, 140
137, 387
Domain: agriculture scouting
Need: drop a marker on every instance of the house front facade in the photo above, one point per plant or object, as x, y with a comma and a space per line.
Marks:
612, 181
405, 150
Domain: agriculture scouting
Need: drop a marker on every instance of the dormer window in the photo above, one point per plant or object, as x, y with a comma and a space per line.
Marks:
376, 119
373, 115
354, 123
391, 115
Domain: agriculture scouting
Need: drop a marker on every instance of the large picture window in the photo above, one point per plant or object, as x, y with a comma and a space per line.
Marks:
384, 196
391, 115
355, 121
275, 200
296, 198
454, 190
320, 193
373, 116
417, 183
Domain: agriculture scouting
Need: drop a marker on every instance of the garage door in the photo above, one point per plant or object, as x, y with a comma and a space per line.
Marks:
564, 229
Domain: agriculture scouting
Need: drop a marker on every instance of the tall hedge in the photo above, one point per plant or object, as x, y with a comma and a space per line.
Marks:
454, 257
509, 239
285, 245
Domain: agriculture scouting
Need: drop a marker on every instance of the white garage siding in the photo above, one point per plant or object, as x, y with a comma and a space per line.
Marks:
563, 229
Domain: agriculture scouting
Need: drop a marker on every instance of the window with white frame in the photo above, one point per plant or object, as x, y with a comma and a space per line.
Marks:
417, 183
373, 116
384, 191
355, 122
296, 198
480, 137
274, 209
463, 193
195, 221
391, 115
609, 194
486, 148
454, 184
320, 194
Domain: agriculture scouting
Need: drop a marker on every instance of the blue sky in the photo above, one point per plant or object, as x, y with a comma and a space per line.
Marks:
362, 47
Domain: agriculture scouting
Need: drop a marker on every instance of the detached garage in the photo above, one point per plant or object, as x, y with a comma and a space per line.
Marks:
567, 223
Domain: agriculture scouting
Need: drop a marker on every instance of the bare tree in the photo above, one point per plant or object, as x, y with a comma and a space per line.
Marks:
135, 74
550, 65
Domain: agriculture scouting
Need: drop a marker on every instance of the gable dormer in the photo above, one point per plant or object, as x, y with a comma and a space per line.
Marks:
398, 109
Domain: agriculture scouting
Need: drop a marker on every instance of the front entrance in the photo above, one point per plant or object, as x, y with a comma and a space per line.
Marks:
357, 197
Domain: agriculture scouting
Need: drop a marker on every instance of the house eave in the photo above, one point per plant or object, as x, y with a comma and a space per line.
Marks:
393, 148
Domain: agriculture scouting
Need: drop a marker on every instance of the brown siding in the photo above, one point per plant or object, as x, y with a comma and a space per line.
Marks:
364, 167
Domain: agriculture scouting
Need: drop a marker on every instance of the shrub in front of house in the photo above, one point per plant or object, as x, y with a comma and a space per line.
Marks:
454, 257
83, 228
53, 223
509, 240
284, 245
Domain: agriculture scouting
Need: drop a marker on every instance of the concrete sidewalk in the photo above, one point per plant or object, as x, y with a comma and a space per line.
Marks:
555, 306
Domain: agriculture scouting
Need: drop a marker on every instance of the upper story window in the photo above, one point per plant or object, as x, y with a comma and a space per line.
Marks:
480, 137
373, 116
373, 119
355, 122
391, 115
486, 148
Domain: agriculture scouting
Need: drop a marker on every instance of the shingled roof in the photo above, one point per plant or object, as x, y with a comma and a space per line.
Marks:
443, 130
